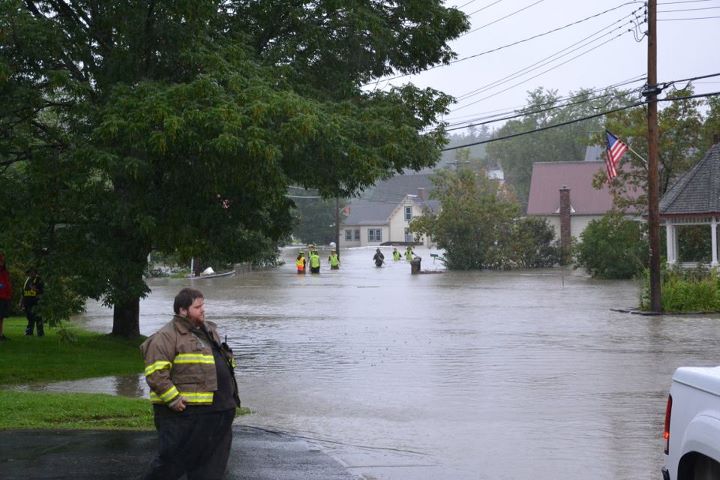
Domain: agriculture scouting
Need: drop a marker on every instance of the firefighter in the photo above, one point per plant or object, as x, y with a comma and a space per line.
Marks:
334, 261
32, 291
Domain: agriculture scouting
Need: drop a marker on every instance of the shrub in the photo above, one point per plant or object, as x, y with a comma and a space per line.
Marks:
612, 247
696, 290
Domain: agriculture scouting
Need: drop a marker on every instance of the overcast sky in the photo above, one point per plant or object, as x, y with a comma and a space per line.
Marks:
594, 53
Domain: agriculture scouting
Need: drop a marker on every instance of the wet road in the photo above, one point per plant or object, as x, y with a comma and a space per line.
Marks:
457, 375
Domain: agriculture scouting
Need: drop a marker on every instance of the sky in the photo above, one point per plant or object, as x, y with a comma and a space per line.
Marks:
606, 50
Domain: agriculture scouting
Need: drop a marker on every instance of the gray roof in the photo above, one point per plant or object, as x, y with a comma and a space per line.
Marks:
698, 191
376, 205
593, 153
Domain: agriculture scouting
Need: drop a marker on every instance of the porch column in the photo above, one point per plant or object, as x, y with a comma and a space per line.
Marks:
713, 232
671, 247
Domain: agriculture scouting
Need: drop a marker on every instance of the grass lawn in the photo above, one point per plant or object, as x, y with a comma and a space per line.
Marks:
74, 411
49, 359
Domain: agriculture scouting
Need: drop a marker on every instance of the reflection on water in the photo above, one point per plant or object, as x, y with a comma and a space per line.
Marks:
126, 386
460, 375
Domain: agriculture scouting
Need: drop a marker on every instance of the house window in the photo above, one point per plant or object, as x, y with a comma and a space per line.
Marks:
408, 213
374, 235
408, 235
357, 235
348, 235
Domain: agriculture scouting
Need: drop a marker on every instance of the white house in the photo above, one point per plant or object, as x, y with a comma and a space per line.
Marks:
383, 215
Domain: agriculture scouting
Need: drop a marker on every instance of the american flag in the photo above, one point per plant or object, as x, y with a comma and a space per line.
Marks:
615, 150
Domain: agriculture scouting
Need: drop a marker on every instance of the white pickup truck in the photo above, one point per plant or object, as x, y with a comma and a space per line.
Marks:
692, 425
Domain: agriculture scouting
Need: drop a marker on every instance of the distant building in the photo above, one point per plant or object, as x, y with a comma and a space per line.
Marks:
586, 203
383, 215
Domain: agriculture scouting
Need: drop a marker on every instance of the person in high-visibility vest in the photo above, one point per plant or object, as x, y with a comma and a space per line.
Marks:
32, 290
409, 253
314, 262
300, 263
396, 255
334, 261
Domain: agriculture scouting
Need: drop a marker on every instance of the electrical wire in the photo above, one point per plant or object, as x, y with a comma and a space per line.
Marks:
483, 8
544, 71
687, 10
502, 18
544, 61
683, 19
506, 111
512, 44
516, 113
529, 113
578, 120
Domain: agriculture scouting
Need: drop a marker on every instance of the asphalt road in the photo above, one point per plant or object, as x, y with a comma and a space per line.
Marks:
256, 454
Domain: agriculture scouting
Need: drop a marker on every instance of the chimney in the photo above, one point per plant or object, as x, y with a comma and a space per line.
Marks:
422, 195
565, 236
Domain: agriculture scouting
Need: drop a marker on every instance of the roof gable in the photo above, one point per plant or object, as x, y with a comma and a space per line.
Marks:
377, 205
698, 191
549, 177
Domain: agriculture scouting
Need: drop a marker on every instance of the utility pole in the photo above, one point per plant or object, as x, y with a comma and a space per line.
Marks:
337, 226
651, 93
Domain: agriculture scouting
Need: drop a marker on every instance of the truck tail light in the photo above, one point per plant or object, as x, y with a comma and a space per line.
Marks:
666, 432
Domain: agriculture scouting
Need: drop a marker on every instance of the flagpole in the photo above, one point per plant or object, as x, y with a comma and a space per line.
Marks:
637, 154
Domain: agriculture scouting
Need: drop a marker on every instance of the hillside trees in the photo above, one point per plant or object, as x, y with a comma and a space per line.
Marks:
562, 144
129, 126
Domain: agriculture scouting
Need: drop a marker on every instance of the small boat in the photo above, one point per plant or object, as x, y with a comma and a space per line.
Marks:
210, 273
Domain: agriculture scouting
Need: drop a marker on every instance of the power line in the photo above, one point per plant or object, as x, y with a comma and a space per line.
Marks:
532, 112
685, 1
683, 19
688, 10
546, 60
459, 125
502, 18
514, 110
544, 71
483, 8
502, 47
577, 120
466, 4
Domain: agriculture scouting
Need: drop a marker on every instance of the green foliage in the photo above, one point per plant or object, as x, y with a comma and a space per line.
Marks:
685, 132
478, 225
178, 127
694, 243
532, 243
315, 220
612, 247
686, 291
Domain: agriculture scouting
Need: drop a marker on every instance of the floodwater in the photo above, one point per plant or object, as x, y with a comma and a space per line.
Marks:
458, 375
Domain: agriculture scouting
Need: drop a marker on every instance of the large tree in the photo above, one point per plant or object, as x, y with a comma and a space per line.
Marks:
686, 128
475, 221
139, 125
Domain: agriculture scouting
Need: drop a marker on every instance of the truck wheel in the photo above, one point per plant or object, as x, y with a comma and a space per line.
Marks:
706, 469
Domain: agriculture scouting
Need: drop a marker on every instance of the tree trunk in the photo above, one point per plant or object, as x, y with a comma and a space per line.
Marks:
126, 318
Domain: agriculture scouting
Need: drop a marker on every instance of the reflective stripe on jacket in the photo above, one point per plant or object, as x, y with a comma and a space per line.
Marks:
179, 362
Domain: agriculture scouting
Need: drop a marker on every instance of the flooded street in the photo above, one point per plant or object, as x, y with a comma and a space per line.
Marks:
479, 375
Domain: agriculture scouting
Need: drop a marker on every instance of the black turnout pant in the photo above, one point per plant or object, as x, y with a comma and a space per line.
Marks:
33, 320
196, 444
